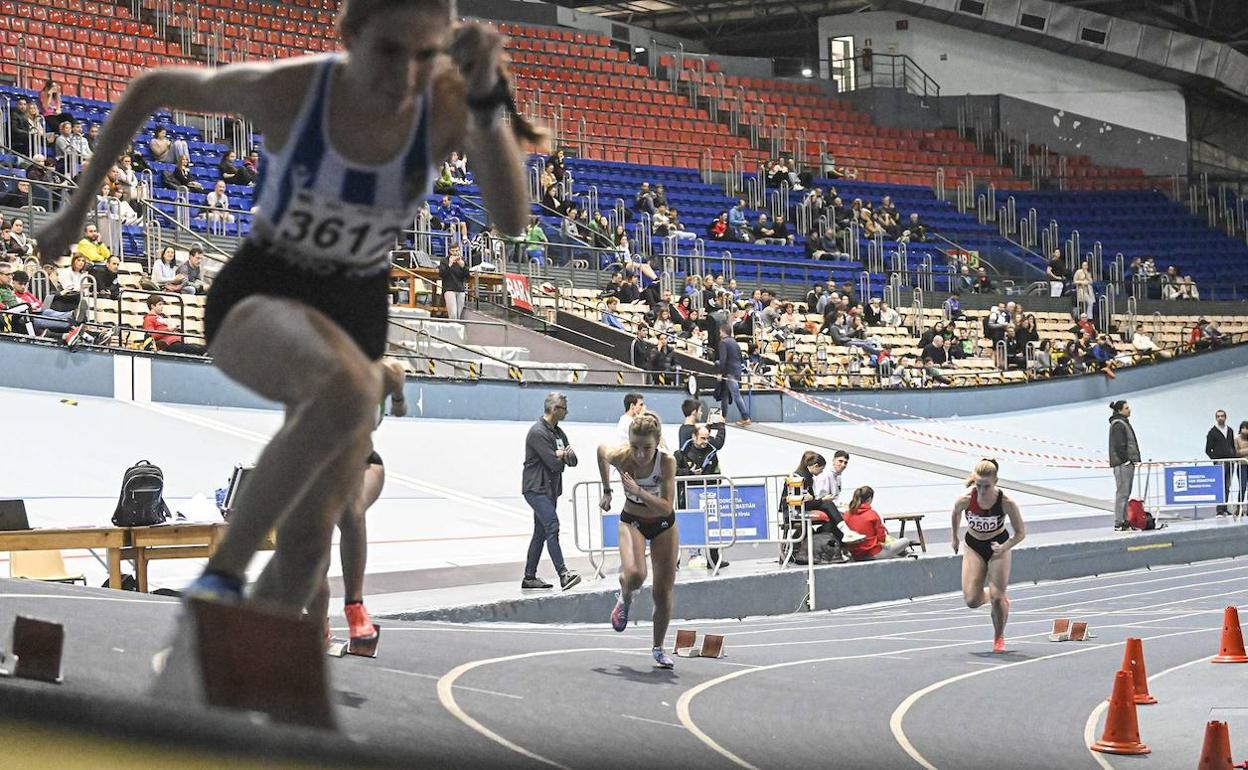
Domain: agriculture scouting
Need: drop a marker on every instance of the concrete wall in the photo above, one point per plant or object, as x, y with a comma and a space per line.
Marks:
845, 585
966, 62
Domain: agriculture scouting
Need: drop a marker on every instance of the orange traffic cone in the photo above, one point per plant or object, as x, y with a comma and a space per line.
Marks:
1133, 661
1216, 753
1122, 732
1232, 647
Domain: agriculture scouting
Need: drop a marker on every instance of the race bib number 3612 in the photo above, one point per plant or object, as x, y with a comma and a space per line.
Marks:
329, 230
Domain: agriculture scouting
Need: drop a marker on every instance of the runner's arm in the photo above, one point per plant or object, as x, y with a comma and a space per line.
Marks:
956, 524
1016, 523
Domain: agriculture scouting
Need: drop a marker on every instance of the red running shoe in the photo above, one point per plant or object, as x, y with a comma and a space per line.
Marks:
359, 625
998, 644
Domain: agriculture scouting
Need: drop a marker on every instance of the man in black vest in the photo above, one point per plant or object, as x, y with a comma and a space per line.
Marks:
1220, 445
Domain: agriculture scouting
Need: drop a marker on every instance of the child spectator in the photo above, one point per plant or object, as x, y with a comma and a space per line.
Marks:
863, 519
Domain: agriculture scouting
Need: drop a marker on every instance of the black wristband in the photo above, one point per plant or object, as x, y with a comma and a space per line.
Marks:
498, 96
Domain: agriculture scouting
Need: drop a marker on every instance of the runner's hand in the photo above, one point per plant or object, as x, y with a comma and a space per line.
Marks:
1000, 548
605, 502
477, 49
630, 484
955, 545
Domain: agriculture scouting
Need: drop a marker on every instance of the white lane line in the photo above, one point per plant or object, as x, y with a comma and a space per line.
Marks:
653, 721
409, 481
458, 687
174, 603
983, 663
1089, 728
895, 722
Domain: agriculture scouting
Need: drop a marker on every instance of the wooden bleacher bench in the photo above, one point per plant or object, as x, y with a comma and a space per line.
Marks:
905, 518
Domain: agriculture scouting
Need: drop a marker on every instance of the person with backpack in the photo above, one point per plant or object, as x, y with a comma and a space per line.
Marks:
1124, 454
988, 543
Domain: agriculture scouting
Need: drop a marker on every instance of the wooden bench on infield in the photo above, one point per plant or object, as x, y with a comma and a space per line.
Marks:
905, 518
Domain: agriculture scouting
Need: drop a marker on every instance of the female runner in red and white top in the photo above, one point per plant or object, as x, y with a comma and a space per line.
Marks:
988, 544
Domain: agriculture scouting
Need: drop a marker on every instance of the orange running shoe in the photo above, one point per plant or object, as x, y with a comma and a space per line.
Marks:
359, 625
998, 644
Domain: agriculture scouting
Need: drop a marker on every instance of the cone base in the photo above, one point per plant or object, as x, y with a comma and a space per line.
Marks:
1145, 700
1119, 747
1230, 659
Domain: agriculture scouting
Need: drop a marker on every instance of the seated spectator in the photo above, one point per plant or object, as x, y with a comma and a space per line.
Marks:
249, 174
662, 360
165, 274
660, 195
19, 196
159, 146
1187, 289
1144, 345
889, 316
535, 241
914, 230
447, 215
219, 205
162, 334
78, 141
789, 320
91, 247
106, 278
127, 180
1171, 284
1212, 335
764, 232
1026, 331
182, 177
1084, 325
1015, 352
823, 244
45, 320
193, 279
71, 278
629, 291
17, 241
770, 315
643, 201
718, 229
953, 307
456, 168
870, 227
63, 146
812, 465
887, 207
558, 165
983, 284
781, 230
1103, 354
553, 199
227, 169
678, 228
614, 286
890, 226
862, 518
929, 333
935, 352
661, 223
813, 296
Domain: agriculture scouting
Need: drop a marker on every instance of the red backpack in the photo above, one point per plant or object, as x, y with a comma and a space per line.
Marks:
1137, 517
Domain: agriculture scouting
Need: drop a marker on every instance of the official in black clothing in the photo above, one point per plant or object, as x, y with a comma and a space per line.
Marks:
1220, 445
546, 453
728, 365
699, 456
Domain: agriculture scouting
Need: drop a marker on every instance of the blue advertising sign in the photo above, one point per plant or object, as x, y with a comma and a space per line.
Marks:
1195, 484
709, 514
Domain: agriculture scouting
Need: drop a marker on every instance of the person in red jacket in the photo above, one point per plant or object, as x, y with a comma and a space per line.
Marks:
162, 334
863, 519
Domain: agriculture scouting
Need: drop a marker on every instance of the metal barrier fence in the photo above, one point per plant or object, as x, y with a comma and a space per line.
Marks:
1189, 485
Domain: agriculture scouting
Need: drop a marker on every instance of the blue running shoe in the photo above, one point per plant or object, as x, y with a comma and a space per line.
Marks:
619, 615
215, 587
661, 659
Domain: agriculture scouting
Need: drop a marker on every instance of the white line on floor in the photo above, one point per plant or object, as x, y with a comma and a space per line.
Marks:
653, 721
458, 687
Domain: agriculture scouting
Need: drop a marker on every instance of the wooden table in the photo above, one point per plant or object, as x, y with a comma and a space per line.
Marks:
917, 518
139, 544
489, 282
174, 541
114, 539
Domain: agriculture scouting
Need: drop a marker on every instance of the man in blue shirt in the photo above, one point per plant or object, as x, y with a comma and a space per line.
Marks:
610, 317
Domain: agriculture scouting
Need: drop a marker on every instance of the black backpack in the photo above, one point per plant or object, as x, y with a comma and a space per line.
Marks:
141, 503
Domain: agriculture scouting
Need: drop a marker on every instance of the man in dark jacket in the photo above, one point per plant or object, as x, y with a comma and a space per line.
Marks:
1220, 445
1124, 454
728, 365
699, 456
454, 276
546, 453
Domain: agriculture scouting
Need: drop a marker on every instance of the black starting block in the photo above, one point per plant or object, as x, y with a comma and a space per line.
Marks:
255, 660
365, 649
37, 649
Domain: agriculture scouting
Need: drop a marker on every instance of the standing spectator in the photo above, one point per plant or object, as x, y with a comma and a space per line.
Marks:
193, 279
1084, 292
699, 456
162, 334
1220, 445
1124, 454
634, 404
454, 277
1057, 274
91, 247
863, 519
641, 351
1241, 451
546, 453
729, 367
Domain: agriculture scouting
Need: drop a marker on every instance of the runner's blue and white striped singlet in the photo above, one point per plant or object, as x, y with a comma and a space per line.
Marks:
326, 212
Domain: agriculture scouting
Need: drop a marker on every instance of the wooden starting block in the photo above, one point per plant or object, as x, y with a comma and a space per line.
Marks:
1061, 630
365, 649
687, 647
37, 649
259, 661
1067, 630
